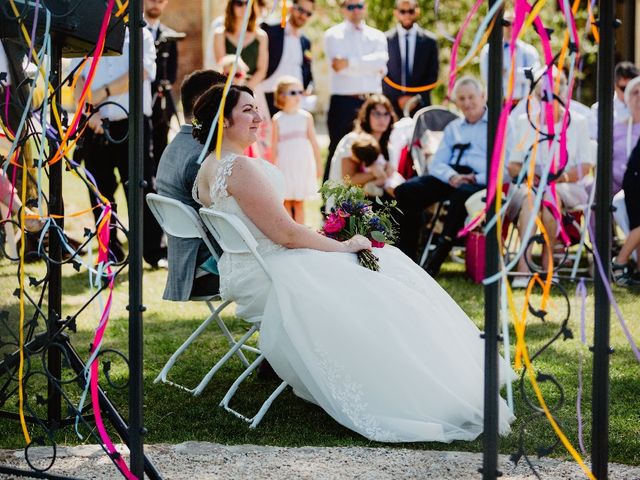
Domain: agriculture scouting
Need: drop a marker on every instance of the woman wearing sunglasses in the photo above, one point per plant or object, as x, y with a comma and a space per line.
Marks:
254, 48
254, 53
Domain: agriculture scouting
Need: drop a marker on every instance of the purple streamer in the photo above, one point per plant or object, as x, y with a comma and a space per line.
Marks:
581, 292
607, 286
33, 30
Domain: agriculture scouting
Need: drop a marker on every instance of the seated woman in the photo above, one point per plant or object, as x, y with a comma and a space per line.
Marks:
534, 145
622, 274
626, 133
376, 118
387, 354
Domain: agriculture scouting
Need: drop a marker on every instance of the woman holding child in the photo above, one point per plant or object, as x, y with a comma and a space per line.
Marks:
386, 353
352, 157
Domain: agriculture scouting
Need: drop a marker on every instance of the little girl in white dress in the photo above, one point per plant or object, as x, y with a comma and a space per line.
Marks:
294, 147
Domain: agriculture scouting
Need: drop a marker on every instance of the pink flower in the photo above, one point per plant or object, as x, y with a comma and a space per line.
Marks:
376, 244
334, 223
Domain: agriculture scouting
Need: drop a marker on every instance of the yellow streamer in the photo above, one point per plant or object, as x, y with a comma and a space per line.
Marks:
23, 198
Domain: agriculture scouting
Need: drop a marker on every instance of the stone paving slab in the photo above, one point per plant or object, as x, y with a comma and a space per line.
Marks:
203, 460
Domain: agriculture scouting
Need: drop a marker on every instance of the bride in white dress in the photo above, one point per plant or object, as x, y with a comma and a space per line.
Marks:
387, 354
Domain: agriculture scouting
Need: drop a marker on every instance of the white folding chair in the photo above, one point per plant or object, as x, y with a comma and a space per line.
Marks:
234, 237
182, 221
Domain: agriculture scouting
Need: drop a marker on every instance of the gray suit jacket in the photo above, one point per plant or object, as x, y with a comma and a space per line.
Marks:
177, 171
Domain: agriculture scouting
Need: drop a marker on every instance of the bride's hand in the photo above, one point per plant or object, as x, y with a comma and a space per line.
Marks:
357, 243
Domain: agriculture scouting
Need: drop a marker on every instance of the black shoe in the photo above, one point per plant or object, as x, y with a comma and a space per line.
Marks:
437, 258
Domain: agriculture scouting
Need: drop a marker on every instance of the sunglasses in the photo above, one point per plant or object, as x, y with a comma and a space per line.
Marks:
354, 6
622, 87
240, 3
302, 11
379, 114
408, 11
293, 93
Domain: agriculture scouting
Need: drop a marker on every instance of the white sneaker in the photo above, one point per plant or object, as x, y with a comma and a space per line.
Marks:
521, 281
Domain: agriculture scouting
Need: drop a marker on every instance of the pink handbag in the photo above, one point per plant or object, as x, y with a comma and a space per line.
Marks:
474, 258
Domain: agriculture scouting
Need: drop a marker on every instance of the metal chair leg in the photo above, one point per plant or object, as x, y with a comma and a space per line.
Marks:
255, 420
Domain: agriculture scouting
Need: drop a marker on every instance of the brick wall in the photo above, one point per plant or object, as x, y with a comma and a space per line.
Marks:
186, 16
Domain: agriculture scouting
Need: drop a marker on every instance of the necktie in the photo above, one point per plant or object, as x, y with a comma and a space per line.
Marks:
407, 72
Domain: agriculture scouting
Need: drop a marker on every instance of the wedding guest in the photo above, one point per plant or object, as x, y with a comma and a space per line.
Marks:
458, 170
570, 186
9, 197
626, 132
366, 150
289, 50
413, 57
226, 65
358, 60
210, 61
622, 274
102, 154
623, 73
375, 117
176, 173
254, 50
295, 147
254, 53
526, 58
166, 73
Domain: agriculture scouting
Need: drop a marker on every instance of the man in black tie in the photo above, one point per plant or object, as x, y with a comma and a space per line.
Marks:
166, 72
413, 57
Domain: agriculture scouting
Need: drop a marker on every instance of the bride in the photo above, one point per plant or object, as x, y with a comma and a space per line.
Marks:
387, 354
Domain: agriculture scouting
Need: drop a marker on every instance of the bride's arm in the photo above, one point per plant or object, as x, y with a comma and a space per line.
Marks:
257, 199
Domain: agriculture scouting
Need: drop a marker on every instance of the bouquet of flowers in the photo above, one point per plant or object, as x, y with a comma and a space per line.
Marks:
353, 214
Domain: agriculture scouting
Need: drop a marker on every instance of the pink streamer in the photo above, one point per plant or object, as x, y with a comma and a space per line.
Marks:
103, 235
456, 44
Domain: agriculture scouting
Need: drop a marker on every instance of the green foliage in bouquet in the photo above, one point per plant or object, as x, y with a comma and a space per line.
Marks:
354, 214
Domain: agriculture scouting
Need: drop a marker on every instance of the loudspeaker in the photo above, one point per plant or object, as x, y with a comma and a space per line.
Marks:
75, 23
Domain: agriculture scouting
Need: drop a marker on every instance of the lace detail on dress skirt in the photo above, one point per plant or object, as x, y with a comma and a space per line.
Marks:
350, 397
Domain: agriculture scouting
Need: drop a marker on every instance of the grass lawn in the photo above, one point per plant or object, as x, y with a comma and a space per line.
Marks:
174, 416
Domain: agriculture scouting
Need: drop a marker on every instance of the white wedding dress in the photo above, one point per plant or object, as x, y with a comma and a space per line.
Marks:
387, 354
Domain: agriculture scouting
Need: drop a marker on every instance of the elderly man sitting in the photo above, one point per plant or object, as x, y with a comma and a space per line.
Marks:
458, 170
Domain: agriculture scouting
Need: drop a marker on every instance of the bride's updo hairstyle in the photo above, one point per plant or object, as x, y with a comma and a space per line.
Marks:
206, 106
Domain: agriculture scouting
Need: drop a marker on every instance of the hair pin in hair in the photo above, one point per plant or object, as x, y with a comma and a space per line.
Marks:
197, 126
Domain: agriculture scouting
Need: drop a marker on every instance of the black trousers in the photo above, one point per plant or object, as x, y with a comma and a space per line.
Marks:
420, 192
343, 110
102, 157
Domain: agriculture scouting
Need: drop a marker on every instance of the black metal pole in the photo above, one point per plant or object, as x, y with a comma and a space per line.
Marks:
54, 308
136, 185
602, 309
491, 291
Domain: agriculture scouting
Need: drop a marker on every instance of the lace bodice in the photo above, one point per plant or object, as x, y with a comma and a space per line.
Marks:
235, 267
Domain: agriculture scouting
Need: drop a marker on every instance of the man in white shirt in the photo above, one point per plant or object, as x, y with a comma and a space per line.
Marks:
289, 50
104, 145
526, 58
358, 61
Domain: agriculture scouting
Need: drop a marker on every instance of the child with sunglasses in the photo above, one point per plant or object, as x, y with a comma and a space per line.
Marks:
294, 147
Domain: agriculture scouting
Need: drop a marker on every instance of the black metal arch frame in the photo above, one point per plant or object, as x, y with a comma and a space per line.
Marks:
601, 349
135, 430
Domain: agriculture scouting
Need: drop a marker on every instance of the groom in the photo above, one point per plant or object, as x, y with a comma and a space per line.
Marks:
177, 171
